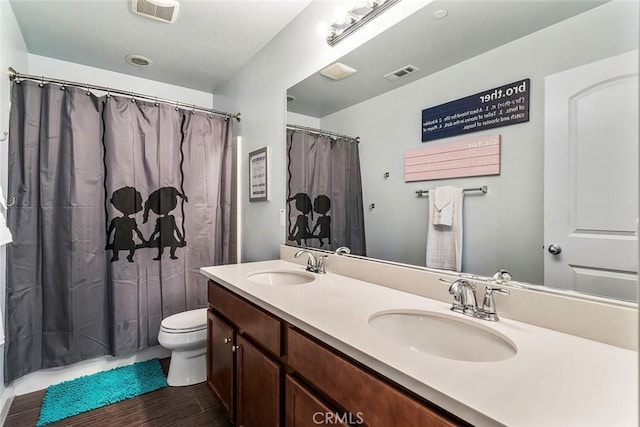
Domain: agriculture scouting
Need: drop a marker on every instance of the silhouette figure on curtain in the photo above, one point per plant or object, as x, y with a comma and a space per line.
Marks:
166, 233
301, 230
128, 201
322, 205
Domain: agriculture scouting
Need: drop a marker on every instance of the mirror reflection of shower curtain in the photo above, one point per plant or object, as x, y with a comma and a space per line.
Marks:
324, 193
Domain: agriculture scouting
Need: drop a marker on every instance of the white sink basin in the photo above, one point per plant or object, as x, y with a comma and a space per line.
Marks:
443, 335
281, 277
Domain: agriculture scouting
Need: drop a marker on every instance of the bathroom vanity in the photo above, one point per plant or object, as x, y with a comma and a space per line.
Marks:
255, 350
288, 347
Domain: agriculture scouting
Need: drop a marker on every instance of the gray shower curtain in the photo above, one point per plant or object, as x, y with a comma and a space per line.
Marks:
118, 204
324, 192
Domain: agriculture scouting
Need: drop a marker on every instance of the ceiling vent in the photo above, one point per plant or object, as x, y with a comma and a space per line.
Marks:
402, 72
337, 71
160, 10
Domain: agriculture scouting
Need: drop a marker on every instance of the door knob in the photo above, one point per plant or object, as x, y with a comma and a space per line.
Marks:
555, 249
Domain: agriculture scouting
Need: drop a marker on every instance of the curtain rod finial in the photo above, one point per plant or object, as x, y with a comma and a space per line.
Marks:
12, 73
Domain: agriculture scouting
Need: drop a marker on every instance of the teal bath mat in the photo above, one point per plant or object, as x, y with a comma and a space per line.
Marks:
90, 392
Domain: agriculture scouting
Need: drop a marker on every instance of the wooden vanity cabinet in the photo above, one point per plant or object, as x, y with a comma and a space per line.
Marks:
244, 345
250, 351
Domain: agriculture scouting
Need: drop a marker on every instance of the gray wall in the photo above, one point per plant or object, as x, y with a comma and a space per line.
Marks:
504, 228
259, 92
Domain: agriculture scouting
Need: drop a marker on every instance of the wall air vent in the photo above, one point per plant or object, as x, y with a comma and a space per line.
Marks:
160, 10
402, 72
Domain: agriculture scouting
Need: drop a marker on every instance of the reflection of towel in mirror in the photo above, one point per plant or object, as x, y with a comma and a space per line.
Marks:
443, 205
444, 243
5, 234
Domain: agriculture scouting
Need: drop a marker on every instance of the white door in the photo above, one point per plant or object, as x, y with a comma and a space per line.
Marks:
591, 178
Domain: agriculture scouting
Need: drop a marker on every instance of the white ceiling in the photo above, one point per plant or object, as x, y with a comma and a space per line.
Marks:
471, 28
210, 41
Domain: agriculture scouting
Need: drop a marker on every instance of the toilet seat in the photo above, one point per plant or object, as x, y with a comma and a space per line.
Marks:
185, 322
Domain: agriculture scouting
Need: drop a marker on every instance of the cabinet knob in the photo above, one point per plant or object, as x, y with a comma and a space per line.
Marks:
235, 348
227, 340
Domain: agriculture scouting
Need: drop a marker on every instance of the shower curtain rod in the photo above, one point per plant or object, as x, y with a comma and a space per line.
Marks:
323, 132
15, 76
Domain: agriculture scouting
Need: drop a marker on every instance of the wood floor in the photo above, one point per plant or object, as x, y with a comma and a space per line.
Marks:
170, 406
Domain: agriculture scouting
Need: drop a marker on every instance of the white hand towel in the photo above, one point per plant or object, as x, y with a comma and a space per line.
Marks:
443, 206
444, 243
5, 234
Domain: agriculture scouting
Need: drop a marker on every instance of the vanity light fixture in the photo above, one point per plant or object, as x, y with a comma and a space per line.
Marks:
363, 12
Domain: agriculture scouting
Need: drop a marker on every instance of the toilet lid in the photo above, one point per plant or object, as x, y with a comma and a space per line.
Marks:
187, 321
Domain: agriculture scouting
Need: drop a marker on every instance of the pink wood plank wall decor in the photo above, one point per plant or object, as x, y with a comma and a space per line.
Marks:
473, 157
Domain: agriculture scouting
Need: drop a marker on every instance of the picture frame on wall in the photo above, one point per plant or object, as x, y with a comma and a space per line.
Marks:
259, 175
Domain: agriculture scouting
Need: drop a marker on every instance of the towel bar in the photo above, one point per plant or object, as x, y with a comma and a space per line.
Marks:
425, 193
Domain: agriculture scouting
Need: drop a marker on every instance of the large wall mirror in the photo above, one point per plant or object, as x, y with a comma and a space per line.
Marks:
569, 175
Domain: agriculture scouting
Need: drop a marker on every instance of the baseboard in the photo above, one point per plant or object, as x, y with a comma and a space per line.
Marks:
5, 403
42, 379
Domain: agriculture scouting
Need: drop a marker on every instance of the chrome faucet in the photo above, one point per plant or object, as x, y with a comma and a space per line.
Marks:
502, 276
343, 250
314, 264
464, 299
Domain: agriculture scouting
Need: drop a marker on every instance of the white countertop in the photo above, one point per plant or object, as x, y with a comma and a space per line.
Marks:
555, 379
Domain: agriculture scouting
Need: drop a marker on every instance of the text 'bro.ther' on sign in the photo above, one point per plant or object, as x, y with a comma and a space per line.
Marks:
501, 106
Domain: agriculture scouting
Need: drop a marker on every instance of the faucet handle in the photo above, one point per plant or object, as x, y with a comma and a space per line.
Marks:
489, 303
500, 291
320, 264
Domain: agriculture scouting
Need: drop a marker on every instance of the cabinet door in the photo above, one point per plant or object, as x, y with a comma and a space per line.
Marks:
220, 342
258, 382
303, 409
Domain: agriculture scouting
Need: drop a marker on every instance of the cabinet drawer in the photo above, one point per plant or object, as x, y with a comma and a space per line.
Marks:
250, 320
358, 391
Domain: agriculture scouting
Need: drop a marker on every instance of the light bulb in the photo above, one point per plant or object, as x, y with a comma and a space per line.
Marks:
339, 12
362, 8
322, 29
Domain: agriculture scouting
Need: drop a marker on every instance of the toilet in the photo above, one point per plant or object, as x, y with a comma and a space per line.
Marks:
185, 334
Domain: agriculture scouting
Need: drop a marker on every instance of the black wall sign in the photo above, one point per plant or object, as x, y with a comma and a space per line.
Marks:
502, 106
